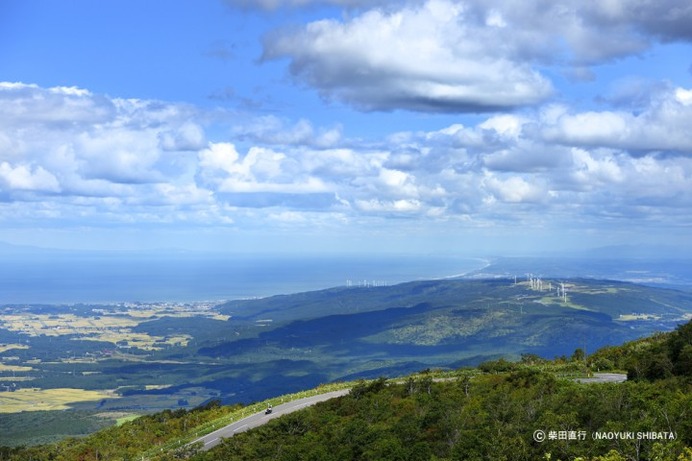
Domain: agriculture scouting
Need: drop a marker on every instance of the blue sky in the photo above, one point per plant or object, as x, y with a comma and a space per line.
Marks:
345, 125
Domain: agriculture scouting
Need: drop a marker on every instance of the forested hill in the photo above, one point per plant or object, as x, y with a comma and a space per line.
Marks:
512, 411
527, 410
125, 360
359, 331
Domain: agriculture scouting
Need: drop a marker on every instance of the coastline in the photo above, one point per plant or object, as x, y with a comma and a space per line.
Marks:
109, 282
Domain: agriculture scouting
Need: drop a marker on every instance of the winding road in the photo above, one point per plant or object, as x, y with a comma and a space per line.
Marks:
212, 439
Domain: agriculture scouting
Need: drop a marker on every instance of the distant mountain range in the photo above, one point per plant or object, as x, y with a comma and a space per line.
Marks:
448, 322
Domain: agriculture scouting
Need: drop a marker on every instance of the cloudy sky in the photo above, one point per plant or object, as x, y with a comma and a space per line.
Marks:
346, 125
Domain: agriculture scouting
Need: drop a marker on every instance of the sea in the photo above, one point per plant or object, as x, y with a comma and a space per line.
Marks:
65, 278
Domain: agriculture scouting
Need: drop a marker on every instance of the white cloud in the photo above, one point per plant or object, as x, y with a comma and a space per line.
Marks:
221, 155
260, 170
187, 137
389, 206
683, 96
58, 107
309, 186
428, 57
273, 130
662, 182
80, 136
557, 162
513, 189
527, 167
594, 30
660, 126
397, 182
342, 163
595, 128
468, 56
667, 19
24, 177
583, 33
79, 149
506, 125
188, 194
591, 170
118, 155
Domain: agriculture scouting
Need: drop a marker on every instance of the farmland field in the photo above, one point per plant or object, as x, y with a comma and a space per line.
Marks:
32, 399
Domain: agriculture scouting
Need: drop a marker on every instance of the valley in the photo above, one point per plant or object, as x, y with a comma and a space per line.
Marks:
103, 362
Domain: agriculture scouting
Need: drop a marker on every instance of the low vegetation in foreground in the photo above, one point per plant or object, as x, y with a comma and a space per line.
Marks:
527, 410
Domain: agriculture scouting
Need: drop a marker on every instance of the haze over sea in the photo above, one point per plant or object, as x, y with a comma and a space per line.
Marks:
99, 278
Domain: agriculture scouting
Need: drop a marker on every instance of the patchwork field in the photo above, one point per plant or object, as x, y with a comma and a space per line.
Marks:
9, 347
32, 399
14, 368
112, 324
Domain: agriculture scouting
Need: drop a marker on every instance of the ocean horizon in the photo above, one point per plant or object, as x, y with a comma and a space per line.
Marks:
98, 279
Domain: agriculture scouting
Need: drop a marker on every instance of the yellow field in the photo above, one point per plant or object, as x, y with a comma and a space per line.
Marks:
110, 326
153, 313
4, 367
64, 324
15, 379
141, 340
7, 347
629, 317
46, 399
150, 387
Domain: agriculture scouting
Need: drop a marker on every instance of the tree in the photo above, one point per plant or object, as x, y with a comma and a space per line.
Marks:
578, 355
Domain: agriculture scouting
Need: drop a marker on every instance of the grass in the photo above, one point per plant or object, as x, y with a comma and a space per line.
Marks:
125, 419
8, 347
234, 416
629, 317
4, 367
33, 399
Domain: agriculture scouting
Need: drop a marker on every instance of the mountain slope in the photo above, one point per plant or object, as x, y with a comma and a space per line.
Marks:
288, 343
521, 413
448, 321
525, 413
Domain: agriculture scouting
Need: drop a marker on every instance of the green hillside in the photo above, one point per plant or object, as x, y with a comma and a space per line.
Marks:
526, 410
365, 332
103, 363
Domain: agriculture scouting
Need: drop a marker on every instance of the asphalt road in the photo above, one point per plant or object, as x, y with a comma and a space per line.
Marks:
604, 378
209, 441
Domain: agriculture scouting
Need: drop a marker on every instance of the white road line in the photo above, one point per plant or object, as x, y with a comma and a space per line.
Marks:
236, 430
211, 441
